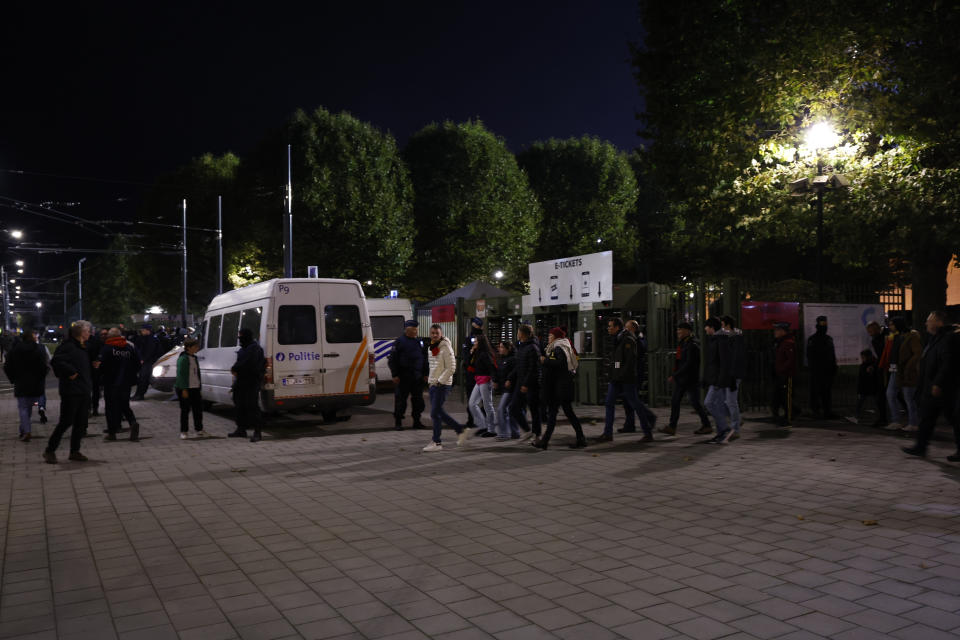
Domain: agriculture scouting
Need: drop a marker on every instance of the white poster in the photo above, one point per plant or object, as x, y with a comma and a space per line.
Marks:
526, 306
572, 280
846, 324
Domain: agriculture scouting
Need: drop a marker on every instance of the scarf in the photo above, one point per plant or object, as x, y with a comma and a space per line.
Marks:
564, 345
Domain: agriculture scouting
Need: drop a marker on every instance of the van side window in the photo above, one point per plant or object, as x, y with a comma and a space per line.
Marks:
250, 319
228, 334
213, 333
342, 323
386, 327
201, 333
297, 324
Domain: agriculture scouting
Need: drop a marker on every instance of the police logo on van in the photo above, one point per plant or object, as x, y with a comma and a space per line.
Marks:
280, 357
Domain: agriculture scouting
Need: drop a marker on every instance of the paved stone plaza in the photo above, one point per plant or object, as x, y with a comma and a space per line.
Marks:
349, 531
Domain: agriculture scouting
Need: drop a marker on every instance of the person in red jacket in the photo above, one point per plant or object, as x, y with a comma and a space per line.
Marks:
784, 368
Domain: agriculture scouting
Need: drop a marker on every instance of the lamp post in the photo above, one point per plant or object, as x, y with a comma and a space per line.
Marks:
80, 288
818, 137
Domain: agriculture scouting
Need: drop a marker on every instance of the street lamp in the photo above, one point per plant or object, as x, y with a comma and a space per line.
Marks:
819, 136
39, 312
498, 275
16, 234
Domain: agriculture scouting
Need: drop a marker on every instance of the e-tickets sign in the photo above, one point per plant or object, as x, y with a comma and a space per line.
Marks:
576, 279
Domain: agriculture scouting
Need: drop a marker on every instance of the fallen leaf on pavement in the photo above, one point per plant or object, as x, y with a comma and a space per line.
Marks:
870, 523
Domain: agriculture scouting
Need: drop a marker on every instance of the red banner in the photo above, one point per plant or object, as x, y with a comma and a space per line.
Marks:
762, 315
444, 313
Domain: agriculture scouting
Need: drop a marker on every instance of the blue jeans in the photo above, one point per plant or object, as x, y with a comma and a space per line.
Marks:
630, 399
506, 426
25, 407
438, 395
716, 404
893, 405
732, 398
482, 396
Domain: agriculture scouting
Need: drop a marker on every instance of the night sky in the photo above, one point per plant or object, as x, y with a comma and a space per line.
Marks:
126, 92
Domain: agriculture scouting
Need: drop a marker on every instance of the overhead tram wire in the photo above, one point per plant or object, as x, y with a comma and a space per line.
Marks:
29, 207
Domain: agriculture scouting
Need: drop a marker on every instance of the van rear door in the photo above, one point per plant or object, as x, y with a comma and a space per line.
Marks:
345, 343
298, 357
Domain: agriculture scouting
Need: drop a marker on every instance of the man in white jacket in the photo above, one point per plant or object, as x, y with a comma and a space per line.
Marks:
442, 363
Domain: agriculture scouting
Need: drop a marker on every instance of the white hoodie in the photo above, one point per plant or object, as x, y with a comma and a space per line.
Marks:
443, 364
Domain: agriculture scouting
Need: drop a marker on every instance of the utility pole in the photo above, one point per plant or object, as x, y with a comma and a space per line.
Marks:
219, 244
80, 287
66, 283
6, 298
288, 224
183, 308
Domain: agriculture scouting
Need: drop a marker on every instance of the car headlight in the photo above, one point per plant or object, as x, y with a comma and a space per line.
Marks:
157, 372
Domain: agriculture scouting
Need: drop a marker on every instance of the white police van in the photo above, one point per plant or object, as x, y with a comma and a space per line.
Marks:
316, 337
387, 316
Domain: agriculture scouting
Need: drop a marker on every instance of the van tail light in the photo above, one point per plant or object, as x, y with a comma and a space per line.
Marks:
268, 373
373, 366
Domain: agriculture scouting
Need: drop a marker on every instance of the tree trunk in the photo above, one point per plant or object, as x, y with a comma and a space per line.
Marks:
929, 275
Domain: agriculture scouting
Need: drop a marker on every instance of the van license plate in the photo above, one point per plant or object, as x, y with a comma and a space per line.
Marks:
293, 382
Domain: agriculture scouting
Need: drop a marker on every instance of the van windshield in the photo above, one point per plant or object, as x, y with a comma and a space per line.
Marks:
342, 323
297, 324
385, 327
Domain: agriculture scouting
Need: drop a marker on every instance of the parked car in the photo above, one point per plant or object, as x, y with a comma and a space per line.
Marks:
164, 373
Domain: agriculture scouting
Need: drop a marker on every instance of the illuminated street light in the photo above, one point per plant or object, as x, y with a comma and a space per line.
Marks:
821, 136
19, 263
16, 234
39, 304
498, 275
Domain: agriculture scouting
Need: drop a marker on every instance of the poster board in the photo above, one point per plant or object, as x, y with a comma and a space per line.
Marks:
572, 280
762, 315
846, 324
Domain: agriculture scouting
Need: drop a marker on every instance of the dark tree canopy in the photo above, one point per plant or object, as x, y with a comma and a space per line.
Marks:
352, 199
588, 192
730, 89
475, 212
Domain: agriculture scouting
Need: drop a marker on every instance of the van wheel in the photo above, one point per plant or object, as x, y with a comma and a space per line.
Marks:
329, 415
207, 405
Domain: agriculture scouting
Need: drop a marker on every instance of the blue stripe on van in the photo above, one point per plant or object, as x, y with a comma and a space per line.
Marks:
381, 356
381, 345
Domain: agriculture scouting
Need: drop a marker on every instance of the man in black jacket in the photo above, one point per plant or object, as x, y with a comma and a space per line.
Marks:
149, 348
119, 369
623, 380
822, 360
409, 368
878, 337
717, 378
937, 384
527, 391
26, 367
247, 380
647, 417
686, 380
71, 365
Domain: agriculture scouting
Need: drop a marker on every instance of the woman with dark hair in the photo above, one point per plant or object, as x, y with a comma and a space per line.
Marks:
482, 367
504, 381
559, 365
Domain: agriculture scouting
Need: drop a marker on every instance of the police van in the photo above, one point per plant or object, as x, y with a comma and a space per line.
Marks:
315, 335
387, 316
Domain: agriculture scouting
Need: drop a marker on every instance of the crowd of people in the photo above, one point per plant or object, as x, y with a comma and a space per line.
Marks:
113, 364
912, 380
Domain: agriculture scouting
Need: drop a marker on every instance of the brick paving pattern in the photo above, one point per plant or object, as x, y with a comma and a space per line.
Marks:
349, 531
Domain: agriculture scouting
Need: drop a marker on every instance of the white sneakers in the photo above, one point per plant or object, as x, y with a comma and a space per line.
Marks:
433, 446
183, 435
465, 435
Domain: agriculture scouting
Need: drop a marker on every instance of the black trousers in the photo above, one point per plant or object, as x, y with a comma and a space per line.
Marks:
73, 413
143, 383
192, 403
782, 399
95, 394
821, 392
930, 409
518, 408
116, 405
693, 392
247, 402
553, 407
412, 386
